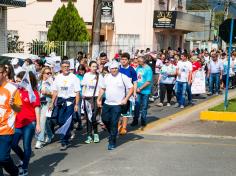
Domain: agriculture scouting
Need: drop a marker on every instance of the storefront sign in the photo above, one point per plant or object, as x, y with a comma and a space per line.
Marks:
107, 14
164, 19
19, 3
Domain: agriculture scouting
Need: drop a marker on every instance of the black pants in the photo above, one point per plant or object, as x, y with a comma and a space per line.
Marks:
166, 88
92, 125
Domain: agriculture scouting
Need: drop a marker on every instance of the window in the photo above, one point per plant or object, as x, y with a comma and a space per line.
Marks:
43, 36
133, 1
128, 42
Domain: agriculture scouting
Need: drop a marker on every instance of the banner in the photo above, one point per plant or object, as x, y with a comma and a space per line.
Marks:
199, 82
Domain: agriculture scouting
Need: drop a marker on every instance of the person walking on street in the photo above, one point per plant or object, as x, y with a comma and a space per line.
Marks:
91, 84
144, 73
118, 89
10, 104
27, 122
65, 99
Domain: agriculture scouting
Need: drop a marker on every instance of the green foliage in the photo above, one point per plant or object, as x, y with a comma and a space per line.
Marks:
197, 5
219, 18
67, 25
220, 107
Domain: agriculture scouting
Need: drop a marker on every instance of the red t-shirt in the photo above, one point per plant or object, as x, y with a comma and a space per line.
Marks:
196, 66
27, 113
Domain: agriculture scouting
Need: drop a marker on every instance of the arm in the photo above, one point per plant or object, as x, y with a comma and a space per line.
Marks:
190, 77
76, 108
37, 129
99, 99
54, 96
135, 89
124, 101
15, 102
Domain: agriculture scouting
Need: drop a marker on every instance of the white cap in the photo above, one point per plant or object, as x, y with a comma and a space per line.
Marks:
14, 61
114, 64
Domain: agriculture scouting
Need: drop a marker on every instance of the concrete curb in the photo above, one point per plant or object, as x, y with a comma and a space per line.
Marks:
218, 116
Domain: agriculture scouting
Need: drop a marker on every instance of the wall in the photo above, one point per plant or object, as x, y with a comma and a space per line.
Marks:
3, 31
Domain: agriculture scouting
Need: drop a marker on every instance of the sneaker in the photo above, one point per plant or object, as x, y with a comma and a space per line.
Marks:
151, 99
72, 134
49, 140
160, 104
111, 147
217, 93
134, 123
182, 107
176, 105
89, 140
96, 138
20, 169
38, 145
23, 172
64, 146
168, 104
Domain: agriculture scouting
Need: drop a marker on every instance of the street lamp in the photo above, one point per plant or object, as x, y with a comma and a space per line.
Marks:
212, 11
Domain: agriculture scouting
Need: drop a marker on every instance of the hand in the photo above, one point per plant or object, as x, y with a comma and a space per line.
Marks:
220, 77
99, 103
76, 108
138, 90
124, 101
11, 101
135, 95
50, 108
37, 129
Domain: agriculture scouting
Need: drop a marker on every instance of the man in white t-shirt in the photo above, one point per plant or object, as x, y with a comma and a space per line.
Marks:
183, 80
215, 71
118, 89
66, 87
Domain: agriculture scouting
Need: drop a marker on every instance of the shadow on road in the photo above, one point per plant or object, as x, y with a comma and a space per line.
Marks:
45, 166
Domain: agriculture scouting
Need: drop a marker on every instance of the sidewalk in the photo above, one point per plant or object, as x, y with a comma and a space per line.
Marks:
187, 123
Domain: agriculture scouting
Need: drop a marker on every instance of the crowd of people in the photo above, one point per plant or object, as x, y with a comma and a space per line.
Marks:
40, 97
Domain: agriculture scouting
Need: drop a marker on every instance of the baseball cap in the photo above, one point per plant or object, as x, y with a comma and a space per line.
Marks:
114, 64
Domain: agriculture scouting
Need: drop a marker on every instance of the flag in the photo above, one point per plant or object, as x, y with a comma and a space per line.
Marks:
64, 128
25, 83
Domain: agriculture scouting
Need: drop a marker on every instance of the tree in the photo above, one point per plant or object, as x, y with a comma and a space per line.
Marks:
67, 25
14, 45
197, 5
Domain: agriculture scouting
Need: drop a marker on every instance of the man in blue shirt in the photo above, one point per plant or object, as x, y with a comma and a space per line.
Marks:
129, 71
144, 86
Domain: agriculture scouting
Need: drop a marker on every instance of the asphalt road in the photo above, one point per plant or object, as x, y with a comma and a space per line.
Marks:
139, 154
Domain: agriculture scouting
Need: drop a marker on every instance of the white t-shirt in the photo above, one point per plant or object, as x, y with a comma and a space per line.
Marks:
184, 68
89, 83
215, 67
159, 64
66, 86
115, 88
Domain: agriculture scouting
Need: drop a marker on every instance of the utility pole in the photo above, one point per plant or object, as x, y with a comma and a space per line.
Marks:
226, 10
97, 7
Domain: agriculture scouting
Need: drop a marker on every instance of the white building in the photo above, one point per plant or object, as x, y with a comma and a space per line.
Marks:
131, 27
4, 4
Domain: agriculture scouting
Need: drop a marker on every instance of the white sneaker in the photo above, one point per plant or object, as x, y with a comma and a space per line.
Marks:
182, 107
176, 105
160, 104
151, 99
168, 104
38, 145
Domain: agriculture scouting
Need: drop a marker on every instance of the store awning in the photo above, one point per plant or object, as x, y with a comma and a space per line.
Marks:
178, 20
15, 3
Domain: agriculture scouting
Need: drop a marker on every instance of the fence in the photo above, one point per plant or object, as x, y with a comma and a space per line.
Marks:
71, 48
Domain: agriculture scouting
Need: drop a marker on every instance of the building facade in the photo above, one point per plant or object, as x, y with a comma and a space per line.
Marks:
4, 4
132, 26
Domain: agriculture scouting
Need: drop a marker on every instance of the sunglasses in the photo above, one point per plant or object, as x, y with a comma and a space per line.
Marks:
48, 73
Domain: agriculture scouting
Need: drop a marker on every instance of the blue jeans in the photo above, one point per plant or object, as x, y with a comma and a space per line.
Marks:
110, 117
6, 161
189, 93
214, 82
141, 106
44, 125
26, 133
180, 89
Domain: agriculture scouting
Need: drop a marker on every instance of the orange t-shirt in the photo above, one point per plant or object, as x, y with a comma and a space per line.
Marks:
7, 115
